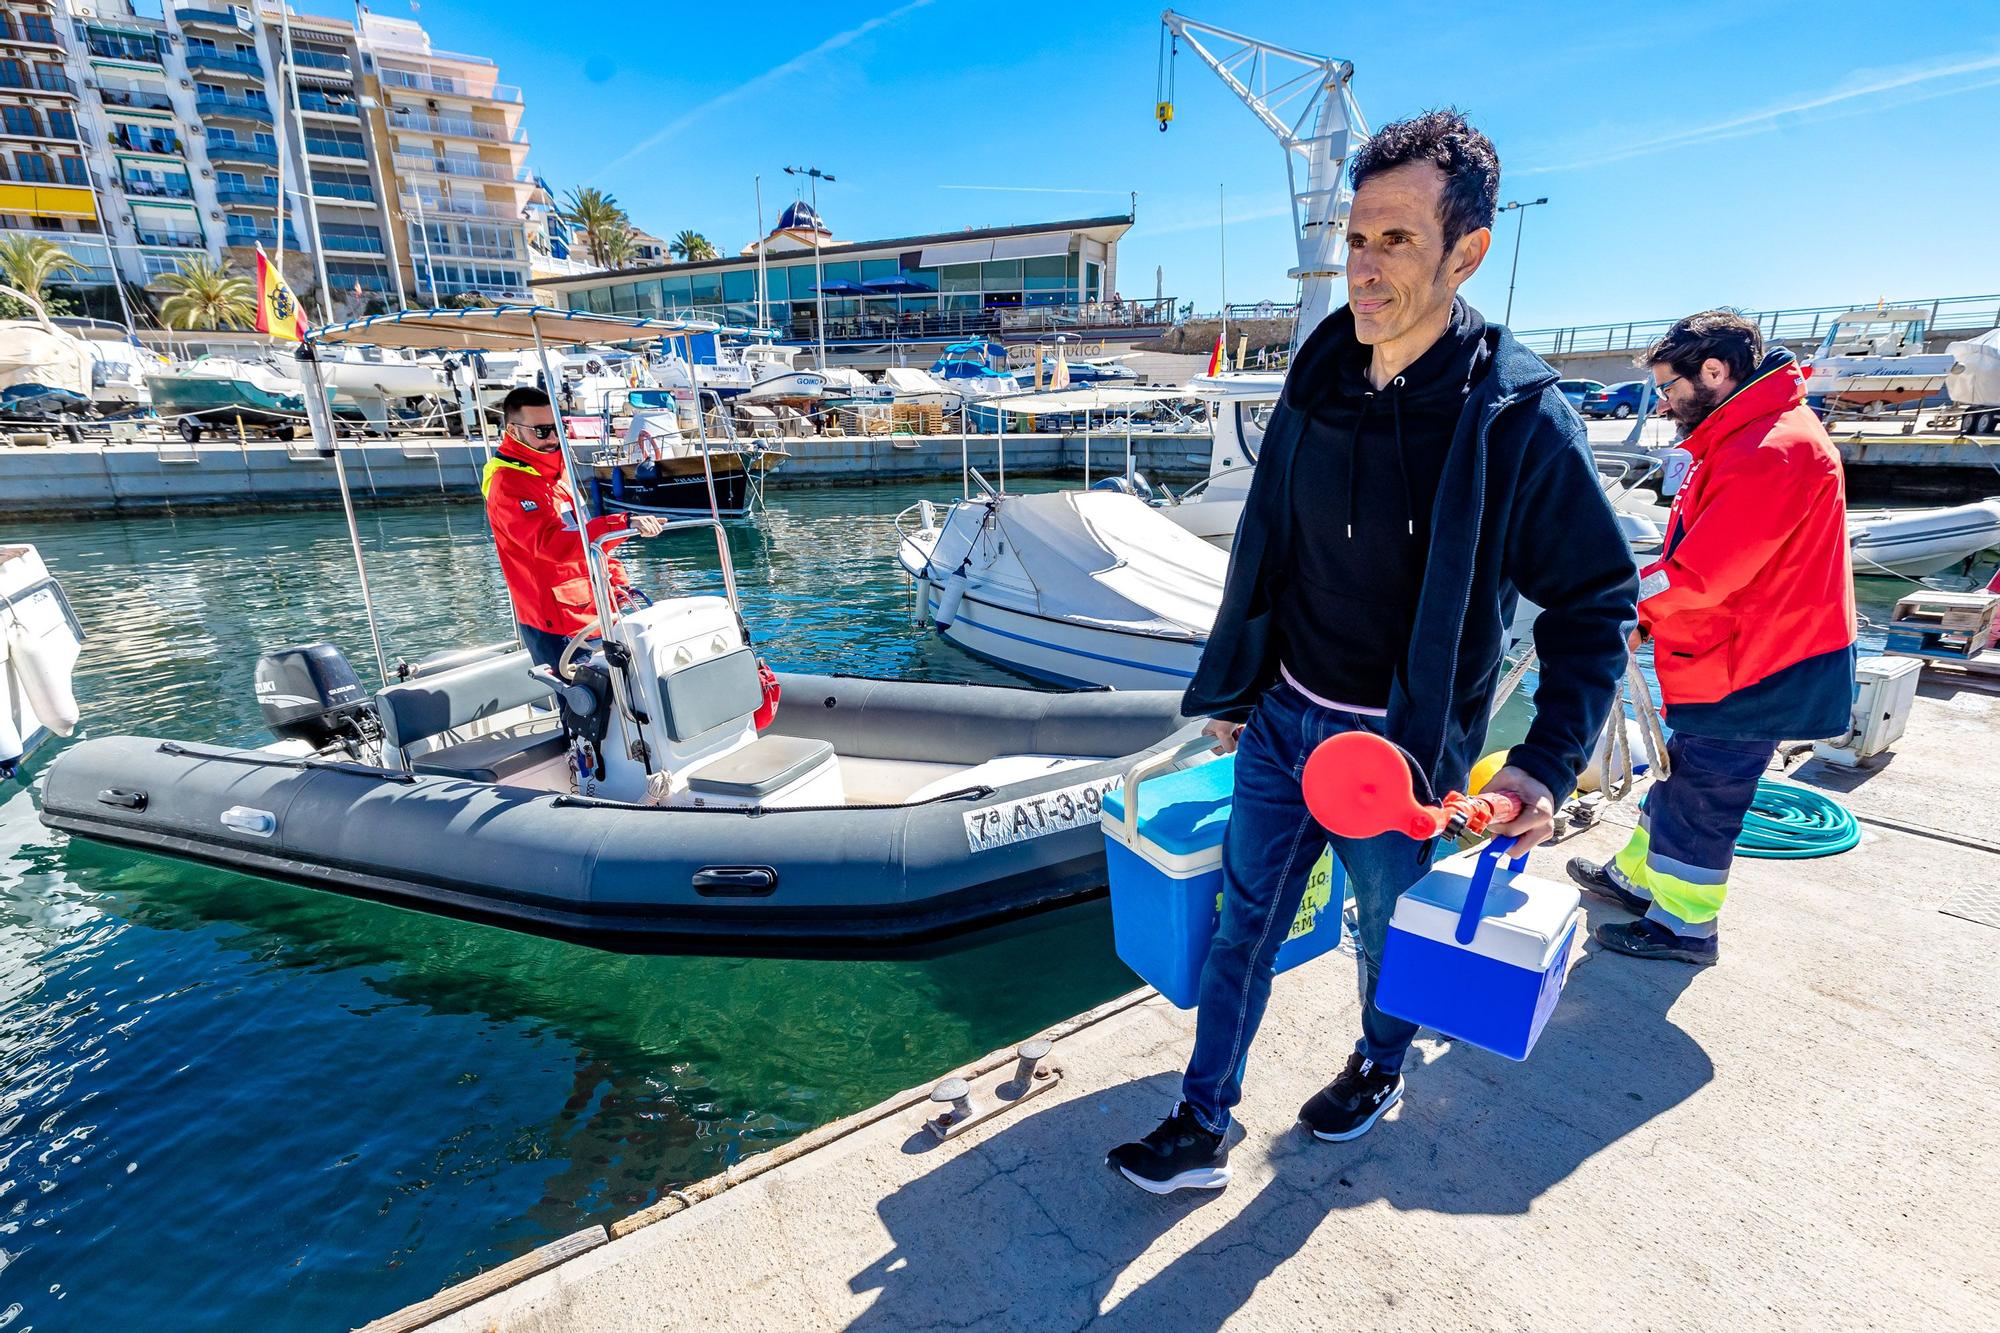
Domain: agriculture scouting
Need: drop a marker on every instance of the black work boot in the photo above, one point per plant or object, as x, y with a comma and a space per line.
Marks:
1597, 881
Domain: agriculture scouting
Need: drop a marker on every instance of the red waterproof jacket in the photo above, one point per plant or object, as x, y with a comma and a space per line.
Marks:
1755, 576
533, 515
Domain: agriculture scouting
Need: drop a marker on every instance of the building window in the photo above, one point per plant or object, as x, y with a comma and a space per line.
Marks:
20, 120
62, 125
266, 143
1048, 273
74, 172
739, 285
960, 278
32, 167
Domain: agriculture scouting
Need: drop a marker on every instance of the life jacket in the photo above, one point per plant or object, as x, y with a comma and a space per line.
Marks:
533, 517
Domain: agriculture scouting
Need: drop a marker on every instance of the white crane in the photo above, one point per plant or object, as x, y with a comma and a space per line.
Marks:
1276, 83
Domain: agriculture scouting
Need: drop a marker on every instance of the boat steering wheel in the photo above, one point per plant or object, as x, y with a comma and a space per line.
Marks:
566, 663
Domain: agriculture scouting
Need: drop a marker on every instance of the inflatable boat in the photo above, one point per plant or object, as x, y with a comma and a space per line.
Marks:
656, 790
39, 643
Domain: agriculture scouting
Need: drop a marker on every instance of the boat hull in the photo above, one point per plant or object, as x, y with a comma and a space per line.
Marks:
1064, 652
854, 881
1918, 543
677, 487
223, 401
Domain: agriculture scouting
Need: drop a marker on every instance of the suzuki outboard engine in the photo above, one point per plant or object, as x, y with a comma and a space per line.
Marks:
309, 693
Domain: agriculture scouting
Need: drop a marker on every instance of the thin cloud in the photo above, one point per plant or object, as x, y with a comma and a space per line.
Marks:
1899, 89
1183, 220
1030, 189
758, 83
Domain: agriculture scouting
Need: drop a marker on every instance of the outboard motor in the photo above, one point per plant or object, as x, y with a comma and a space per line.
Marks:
309, 693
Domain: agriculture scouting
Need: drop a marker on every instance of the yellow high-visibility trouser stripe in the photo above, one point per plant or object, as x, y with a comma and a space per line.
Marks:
1667, 881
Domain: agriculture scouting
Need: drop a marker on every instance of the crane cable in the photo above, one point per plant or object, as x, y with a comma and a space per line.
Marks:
1163, 78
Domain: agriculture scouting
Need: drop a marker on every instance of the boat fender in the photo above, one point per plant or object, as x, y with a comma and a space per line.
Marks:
948, 600
42, 665
767, 711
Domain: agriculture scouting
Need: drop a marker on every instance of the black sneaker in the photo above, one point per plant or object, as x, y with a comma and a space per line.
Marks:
1596, 881
1349, 1106
1179, 1155
1646, 938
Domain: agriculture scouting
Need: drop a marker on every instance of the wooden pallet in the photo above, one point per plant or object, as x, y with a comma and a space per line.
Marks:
919, 418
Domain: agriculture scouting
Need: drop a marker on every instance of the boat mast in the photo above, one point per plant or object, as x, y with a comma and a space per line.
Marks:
763, 313
288, 88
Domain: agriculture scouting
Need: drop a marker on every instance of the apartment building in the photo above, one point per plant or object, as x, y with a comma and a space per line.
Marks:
456, 148
45, 186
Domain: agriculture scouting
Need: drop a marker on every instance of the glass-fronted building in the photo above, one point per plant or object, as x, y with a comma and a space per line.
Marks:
905, 286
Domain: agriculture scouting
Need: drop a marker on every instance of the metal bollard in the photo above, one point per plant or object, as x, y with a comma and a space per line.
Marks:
1028, 1056
953, 1093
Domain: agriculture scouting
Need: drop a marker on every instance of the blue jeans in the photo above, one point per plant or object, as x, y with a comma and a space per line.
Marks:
1267, 855
544, 646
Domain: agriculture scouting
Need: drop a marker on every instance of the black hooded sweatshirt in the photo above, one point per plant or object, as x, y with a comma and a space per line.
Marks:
1363, 488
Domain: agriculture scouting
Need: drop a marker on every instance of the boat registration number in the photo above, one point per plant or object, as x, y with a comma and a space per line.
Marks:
1010, 822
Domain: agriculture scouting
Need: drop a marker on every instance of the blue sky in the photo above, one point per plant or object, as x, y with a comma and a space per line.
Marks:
1693, 154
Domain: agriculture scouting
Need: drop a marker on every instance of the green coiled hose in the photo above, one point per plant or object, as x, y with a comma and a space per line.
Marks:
1788, 823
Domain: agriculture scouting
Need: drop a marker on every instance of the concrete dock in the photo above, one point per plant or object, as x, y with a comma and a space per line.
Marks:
1802, 1136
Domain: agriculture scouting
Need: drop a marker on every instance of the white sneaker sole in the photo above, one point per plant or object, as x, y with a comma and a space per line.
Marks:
1201, 1178
1365, 1125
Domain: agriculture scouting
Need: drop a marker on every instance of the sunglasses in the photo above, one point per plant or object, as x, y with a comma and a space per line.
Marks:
540, 432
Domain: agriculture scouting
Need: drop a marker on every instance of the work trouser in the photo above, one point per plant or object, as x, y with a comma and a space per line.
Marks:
1679, 856
1268, 853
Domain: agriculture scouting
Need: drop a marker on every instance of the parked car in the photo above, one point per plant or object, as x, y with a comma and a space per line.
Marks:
1616, 400
1577, 390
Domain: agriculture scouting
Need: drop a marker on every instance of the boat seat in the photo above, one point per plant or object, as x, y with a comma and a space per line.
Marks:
430, 706
495, 758
767, 764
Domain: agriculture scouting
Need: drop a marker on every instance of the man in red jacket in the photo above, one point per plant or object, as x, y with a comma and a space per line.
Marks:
1751, 612
533, 515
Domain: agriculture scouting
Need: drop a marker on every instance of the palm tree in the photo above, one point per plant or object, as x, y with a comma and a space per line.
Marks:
599, 216
29, 263
203, 294
691, 245
618, 247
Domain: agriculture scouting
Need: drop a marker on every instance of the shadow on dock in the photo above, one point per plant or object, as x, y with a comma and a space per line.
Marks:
1475, 1135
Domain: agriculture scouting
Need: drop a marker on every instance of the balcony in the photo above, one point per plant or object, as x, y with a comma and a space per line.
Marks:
464, 208
460, 166
240, 108
32, 127
42, 80
142, 50
243, 196
173, 240
321, 104
438, 83
225, 150
219, 63
306, 60
320, 146
158, 145
456, 127
128, 95
443, 249
210, 18
339, 190
265, 236
35, 30
353, 245
157, 187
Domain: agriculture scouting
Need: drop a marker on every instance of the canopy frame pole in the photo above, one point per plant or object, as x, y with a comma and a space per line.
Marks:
1086, 449
708, 474
319, 419
1000, 445
964, 462
1128, 447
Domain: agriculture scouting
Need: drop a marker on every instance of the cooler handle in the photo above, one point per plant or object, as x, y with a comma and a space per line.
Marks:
1148, 767
1482, 879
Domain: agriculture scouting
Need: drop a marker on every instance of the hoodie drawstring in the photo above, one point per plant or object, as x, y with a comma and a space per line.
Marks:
1348, 464
1395, 392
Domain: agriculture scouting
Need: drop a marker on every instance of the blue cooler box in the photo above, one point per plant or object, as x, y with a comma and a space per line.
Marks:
1479, 952
1163, 847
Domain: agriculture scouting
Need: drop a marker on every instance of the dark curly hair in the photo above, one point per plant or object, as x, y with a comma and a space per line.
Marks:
1727, 335
1446, 139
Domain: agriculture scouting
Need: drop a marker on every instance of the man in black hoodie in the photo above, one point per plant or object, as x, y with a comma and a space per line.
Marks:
1421, 473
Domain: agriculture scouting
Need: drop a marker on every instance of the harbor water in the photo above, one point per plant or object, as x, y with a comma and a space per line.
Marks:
226, 1102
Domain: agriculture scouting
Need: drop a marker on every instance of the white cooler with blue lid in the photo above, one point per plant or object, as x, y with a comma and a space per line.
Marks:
1479, 951
1163, 854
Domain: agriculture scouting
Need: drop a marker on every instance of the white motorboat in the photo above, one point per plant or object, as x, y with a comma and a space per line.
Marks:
368, 377
119, 364
1872, 361
1916, 543
39, 643
907, 384
1075, 587
226, 392
1239, 407
45, 370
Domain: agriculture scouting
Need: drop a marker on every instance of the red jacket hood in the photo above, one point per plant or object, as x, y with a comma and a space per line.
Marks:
547, 464
1776, 387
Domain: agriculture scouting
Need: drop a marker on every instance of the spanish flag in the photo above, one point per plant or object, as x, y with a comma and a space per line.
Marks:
1214, 357
278, 312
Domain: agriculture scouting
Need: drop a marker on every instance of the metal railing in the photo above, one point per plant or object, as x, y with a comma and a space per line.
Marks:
1802, 324
310, 60
360, 194
221, 104
439, 83
461, 250
148, 99
244, 197
229, 150
360, 245
457, 127
143, 187
915, 325
224, 64
328, 106
248, 236
459, 166
320, 146
215, 18
465, 208
174, 240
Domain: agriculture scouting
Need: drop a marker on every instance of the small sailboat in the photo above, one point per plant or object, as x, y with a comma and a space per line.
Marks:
40, 640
